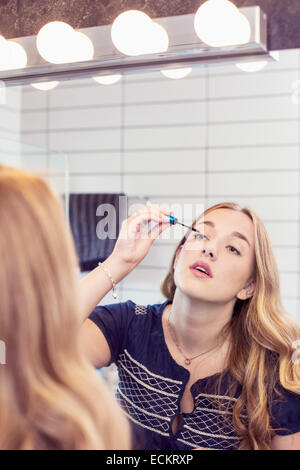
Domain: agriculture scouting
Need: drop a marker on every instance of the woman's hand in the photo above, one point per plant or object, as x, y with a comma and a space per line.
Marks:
134, 241
130, 249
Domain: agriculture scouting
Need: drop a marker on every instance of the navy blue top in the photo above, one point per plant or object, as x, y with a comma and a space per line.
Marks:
151, 385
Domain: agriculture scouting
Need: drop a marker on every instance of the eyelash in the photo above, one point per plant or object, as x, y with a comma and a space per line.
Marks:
197, 235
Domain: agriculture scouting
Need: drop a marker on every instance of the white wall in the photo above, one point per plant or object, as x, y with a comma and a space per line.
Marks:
10, 122
218, 135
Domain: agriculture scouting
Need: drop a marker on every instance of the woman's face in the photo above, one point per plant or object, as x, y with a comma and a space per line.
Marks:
226, 248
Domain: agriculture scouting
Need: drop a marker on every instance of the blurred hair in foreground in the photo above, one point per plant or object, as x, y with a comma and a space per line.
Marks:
51, 397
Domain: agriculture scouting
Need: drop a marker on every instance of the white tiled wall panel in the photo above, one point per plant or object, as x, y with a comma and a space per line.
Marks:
218, 135
9, 121
166, 184
287, 259
250, 134
83, 118
33, 99
165, 137
35, 121
36, 163
96, 162
165, 90
90, 95
10, 160
254, 158
142, 278
95, 184
291, 307
10, 125
87, 139
36, 139
253, 109
288, 285
267, 208
286, 233
263, 183
169, 113
250, 85
165, 161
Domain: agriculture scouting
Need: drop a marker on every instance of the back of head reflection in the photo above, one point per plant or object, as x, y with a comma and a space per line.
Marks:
50, 396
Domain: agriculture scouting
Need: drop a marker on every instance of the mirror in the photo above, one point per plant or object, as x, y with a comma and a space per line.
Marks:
219, 134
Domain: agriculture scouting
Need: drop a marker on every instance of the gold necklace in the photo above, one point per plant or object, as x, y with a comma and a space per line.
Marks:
187, 360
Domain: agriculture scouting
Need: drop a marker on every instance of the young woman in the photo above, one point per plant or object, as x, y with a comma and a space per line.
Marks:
51, 397
211, 367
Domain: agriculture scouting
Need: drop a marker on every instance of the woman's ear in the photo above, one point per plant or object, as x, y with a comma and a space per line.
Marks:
247, 292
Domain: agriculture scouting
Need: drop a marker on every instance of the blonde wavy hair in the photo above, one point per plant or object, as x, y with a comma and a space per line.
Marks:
262, 334
51, 397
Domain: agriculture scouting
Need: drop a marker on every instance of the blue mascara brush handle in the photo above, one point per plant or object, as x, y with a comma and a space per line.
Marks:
173, 219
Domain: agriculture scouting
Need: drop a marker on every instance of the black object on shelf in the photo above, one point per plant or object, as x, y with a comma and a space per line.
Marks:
95, 224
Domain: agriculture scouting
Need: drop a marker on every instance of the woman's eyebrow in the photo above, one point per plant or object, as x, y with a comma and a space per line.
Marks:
234, 234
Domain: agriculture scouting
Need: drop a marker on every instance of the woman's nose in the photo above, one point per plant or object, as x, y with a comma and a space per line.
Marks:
208, 252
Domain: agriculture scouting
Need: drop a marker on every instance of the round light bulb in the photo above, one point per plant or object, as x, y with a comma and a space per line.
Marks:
158, 39
44, 86
17, 57
252, 66
108, 79
4, 51
134, 33
125, 30
84, 49
219, 23
176, 74
56, 42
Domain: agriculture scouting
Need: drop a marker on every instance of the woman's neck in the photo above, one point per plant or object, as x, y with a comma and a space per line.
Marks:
197, 323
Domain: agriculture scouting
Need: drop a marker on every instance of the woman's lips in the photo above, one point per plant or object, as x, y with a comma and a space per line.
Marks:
198, 273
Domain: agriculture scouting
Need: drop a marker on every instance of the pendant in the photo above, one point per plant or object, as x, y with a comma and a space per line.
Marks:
187, 361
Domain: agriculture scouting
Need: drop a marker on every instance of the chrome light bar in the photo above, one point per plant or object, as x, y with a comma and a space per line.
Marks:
185, 49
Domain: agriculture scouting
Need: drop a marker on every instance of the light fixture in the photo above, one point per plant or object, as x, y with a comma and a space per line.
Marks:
17, 58
84, 49
184, 50
219, 23
134, 33
176, 74
56, 42
45, 86
252, 66
108, 79
4, 51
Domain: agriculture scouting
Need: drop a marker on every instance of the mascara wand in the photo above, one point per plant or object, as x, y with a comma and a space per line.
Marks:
174, 220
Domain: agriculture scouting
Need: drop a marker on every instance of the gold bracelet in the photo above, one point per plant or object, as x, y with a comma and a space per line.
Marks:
113, 282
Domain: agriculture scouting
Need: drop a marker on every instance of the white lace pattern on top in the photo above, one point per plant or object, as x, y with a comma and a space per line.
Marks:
148, 399
152, 401
209, 425
140, 309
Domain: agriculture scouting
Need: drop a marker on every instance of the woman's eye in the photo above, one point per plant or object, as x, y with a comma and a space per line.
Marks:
199, 236
237, 252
